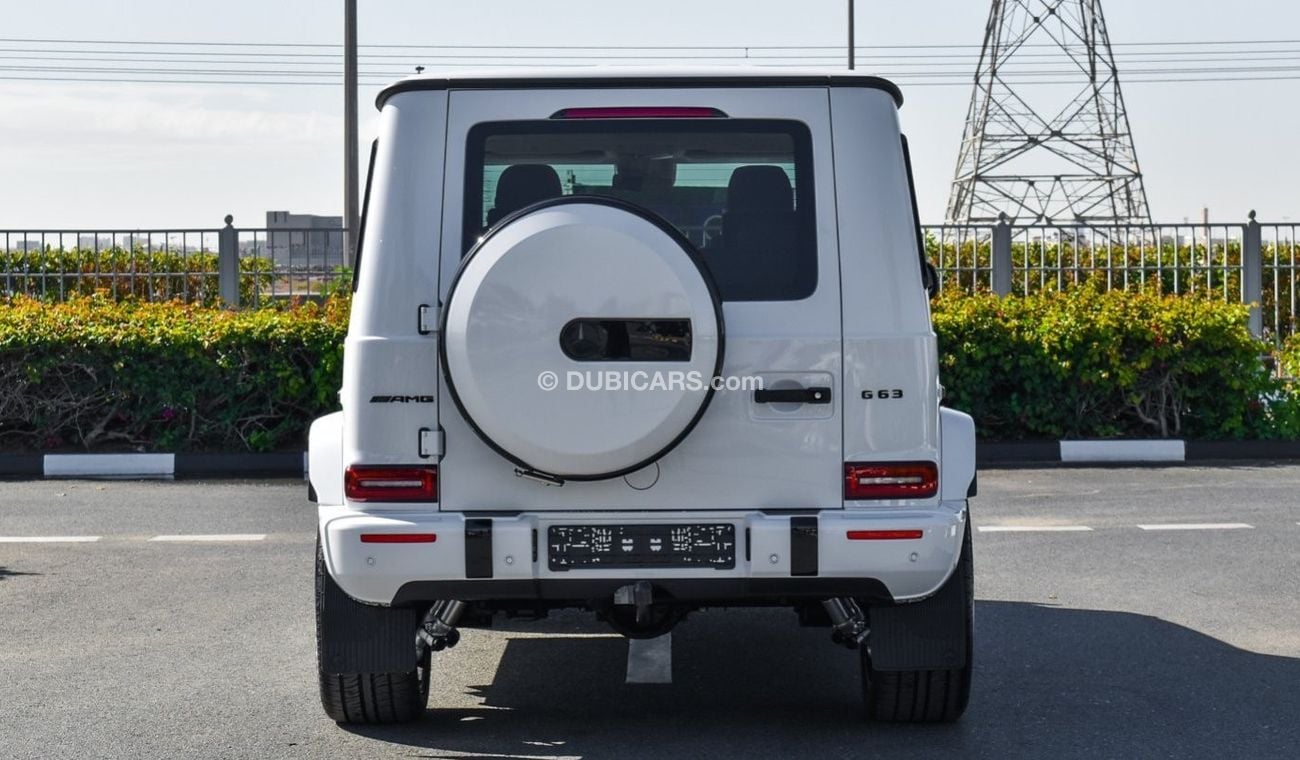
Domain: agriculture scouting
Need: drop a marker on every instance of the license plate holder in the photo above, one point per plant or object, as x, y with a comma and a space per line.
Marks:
640, 546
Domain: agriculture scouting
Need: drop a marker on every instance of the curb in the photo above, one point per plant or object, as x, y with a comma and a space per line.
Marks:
1130, 452
284, 464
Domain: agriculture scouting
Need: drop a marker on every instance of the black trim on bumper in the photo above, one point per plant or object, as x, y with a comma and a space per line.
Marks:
803, 546
735, 591
478, 548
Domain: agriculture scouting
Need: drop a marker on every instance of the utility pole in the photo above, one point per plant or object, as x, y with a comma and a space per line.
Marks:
350, 168
852, 42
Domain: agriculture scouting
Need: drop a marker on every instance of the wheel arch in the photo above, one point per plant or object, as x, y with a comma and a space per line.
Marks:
957, 450
325, 458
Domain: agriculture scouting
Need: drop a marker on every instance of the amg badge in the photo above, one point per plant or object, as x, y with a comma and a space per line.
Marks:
401, 399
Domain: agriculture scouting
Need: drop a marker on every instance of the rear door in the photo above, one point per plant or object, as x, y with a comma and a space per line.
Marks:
751, 184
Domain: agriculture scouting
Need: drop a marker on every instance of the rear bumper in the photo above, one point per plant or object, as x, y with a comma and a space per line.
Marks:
714, 591
511, 564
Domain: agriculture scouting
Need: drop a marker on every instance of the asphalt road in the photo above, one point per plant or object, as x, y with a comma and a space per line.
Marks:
1114, 641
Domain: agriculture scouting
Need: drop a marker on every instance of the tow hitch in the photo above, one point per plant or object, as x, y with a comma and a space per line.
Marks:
637, 614
848, 623
639, 595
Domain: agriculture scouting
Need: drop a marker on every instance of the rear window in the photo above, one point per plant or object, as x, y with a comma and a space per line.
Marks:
739, 189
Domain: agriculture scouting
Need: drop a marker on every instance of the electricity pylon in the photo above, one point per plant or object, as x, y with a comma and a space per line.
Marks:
1047, 135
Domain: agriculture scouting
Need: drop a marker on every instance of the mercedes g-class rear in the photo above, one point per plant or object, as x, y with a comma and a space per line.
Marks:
642, 344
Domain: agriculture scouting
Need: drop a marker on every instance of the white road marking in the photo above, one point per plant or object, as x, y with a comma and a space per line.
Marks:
47, 539
1034, 529
1198, 526
213, 537
650, 660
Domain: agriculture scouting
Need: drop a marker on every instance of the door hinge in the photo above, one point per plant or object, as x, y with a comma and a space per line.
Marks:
426, 321
430, 443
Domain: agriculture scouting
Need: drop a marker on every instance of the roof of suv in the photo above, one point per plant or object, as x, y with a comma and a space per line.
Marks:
631, 77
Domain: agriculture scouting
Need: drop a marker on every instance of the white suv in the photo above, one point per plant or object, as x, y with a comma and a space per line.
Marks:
642, 343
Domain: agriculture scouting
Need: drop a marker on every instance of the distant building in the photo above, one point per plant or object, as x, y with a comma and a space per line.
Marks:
305, 241
254, 247
126, 241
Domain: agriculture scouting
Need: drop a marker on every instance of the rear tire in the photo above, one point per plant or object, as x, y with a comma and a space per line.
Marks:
925, 696
366, 698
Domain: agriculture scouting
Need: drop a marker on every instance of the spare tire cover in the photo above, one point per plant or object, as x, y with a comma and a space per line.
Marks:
566, 259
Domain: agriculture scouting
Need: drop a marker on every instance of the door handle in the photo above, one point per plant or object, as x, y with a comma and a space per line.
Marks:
816, 395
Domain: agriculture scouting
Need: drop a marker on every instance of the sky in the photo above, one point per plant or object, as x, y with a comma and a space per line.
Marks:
148, 155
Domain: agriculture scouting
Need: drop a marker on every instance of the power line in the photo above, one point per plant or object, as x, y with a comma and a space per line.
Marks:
1008, 72
732, 52
381, 82
275, 59
461, 46
268, 63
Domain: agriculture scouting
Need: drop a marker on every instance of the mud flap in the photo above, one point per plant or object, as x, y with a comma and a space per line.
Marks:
928, 635
361, 638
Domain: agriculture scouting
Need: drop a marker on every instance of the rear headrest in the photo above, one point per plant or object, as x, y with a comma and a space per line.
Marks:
523, 185
759, 189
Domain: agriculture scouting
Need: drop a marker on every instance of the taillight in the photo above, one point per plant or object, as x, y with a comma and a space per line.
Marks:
890, 480
640, 112
377, 483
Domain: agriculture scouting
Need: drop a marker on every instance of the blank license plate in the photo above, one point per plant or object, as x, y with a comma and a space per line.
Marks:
640, 546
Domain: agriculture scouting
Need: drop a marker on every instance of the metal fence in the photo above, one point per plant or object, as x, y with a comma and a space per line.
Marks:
1250, 263
230, 266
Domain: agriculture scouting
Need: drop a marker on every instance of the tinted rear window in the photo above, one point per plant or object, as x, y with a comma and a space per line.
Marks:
739, 189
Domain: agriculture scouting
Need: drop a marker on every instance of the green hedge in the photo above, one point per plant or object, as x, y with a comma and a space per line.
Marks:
1086, 364
97, 374
92, 373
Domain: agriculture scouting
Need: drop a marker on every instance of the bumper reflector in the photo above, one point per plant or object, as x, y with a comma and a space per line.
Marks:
398, 538
885, 535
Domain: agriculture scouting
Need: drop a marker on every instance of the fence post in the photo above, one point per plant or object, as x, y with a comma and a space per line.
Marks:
228, 264
1000, 258
1252, 274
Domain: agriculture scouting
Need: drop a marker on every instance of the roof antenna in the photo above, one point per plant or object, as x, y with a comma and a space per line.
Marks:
419, 69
